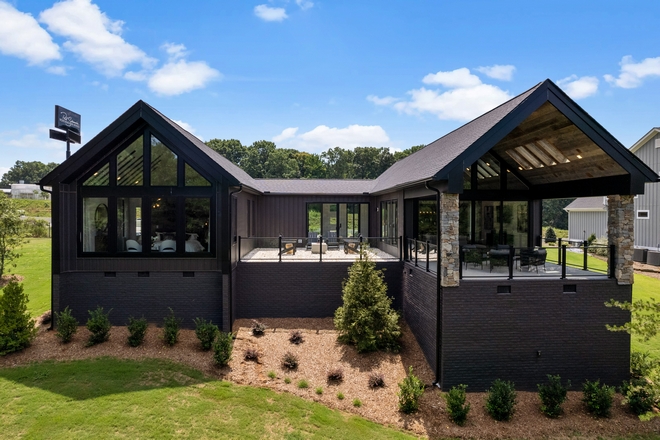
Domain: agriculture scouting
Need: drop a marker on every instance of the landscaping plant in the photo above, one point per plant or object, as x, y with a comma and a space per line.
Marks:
598, 398
258, 328
171, 328
550, 236
222, 348
99, 325
357, 403
335, 374
251, 354
501, 400
137, 329
12, 233
411, 390
296, 337
456, 406
66, 325
206, 332
17, 328
376, 380
553, 395
640, 395
366, 318
289, 361
302, 384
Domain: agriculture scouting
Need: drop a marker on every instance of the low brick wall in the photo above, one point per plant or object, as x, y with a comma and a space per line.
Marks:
299, 289
128, 294
419, 308
535, 330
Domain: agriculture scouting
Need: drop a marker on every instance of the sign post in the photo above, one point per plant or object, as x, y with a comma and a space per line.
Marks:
69, 122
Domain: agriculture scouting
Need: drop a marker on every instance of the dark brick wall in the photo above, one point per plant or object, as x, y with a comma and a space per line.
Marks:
487, 335
127, 294
298, 289
419, 308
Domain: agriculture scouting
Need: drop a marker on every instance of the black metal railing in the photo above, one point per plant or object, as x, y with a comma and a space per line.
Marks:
422, 253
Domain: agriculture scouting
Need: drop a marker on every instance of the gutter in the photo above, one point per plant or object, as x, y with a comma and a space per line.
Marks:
52, 302
231, 283
438, 308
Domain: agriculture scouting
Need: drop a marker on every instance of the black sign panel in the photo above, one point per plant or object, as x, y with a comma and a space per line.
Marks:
58, 135
67, 120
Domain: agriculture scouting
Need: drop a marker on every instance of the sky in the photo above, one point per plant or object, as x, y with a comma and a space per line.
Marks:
315, 74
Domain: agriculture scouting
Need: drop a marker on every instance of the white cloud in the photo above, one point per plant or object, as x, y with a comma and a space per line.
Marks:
175, 51
177, 77
22, 37
498, 71
465, 97
323, 137
453, 79
93, 36
141, 75
57, 70
267, 13
189, 128
304, 4
578, 88
632, 74
287, 133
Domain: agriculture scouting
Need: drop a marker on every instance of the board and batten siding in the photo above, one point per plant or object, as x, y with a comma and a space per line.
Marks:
581, 224
647, 231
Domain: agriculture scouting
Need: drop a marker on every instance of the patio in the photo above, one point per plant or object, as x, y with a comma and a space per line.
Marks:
303, 254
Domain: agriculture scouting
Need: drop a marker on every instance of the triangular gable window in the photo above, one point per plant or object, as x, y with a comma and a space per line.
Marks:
163, 164
100, 178
130, 164
193, 178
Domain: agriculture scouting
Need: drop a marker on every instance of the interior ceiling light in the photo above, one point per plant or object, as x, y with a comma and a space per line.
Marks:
529, 157
552, 151
536, 151
487, 168
579, 157
519, 160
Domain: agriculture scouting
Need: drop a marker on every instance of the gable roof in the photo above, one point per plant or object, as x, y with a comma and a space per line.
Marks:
588, 204
316, 186
127, 125
647, 137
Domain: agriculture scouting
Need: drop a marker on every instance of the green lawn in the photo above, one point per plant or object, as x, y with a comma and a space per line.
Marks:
646, 287
34, 266
107, 397
575, 259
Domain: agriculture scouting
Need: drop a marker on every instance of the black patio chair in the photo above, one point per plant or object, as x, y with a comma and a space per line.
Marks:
498, 257
539, 258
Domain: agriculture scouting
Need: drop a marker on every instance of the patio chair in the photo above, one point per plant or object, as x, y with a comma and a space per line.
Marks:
526, 257
133, 246
288, 247
539, 259
312, 237
351, 246
473, 255
499, 257
168, 246
332, 239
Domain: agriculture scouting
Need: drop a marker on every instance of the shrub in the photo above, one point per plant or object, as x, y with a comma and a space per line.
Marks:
456, 406
550, 236
289, 361
410, 391
287, 380
552, 395
598, 398
340, 395
303, 384
501, 400
319, 391
357, 403
171, 328
35, 228
222, 348
366, 318
376, 380
641, 364
206, 332
251, 354
99, 325
137, 329
592, 238
17, 329
272, 375
258, 327
66, 324
296, 337
638, 395
335, 374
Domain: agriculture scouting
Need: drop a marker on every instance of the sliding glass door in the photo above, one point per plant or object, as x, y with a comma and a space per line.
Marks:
334, 220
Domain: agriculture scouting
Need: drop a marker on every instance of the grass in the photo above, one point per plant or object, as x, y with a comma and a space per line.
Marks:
646, 288
575, 259
34, 265
33, 208
107, 397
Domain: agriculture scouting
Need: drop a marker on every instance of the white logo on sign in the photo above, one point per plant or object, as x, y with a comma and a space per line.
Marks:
68, 120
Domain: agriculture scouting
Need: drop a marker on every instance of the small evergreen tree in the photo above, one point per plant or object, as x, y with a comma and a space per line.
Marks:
67, 325
17, 328
550, 236
12, 233
366, 318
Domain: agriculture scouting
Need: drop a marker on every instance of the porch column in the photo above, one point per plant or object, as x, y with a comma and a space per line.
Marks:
621, 234
448, 256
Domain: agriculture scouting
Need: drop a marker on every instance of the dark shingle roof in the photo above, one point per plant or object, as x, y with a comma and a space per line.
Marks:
587, 204
315, 186
429, 161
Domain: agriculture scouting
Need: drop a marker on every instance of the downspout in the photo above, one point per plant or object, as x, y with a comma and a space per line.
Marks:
231, 281
52, 303
438, 308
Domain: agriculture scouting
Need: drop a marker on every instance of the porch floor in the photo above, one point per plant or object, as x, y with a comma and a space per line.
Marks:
551, 270
302, 254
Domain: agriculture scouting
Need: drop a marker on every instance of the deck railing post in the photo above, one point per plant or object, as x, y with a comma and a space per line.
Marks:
400, 248
416, 252
511, 251
563, 262
320, 248
428, 252
612, 262
585, 245
559, 251
239, 248
280, 248
460, 263
360, 246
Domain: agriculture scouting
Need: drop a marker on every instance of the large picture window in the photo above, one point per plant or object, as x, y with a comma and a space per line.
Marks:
146, 200
389, 223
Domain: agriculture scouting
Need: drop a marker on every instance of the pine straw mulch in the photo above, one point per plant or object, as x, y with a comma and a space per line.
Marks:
320, 352
7, 278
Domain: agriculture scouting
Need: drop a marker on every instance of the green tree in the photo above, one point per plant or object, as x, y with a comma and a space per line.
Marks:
366, 318
11, 232
338, 163
232, 149
371, 162
29, 172
554, 214
645, 317
281, 164
398, 155
17, 328
256, 157
311, 166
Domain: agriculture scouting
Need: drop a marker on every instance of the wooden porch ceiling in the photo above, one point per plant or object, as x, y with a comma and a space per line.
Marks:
550, 125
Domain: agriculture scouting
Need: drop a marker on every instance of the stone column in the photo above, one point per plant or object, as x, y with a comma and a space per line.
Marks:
448, 255
621, 234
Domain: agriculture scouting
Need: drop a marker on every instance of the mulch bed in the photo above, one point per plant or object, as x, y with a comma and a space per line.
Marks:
320, 352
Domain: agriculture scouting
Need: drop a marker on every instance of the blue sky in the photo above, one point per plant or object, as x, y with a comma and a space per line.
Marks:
313, 74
